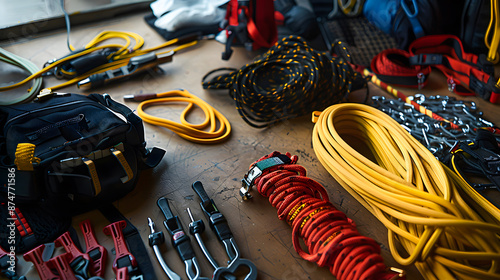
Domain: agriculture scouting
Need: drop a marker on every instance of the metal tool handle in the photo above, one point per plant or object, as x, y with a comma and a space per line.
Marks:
157, 238
196, 228
170, 273
235, 264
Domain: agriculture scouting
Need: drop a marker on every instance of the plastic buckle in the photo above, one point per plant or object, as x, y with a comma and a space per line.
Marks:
247, 182
97, 253
256, 170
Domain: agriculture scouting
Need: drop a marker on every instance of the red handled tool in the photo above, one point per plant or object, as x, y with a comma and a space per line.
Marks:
97, 253
61, 263
79, 261
125, 264
7, 262
35, 256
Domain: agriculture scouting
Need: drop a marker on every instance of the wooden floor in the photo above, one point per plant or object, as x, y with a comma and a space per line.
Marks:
259, 234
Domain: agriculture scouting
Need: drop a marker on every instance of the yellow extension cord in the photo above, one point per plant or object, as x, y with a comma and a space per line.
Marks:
416, 197
131, 47
192, 132
493, 33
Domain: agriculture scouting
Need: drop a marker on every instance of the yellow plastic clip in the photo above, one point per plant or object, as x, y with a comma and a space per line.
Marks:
315, 116
93, 174
25, 156
126, 167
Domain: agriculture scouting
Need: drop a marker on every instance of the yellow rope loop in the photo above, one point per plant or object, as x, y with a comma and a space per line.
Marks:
205, 132
416, 197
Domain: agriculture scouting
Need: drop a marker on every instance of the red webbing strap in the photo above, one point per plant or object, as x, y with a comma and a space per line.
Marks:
21, 224
446, 53
392, 66
232, 13
262, 29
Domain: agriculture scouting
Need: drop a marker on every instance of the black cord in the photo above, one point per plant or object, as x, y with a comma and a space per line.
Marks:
291, 79
68, 24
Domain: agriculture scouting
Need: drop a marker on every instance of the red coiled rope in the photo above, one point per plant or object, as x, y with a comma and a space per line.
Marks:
331, 238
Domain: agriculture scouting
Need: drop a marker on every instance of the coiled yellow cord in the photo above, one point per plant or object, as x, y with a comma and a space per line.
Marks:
185, 129
416, 197
117, 59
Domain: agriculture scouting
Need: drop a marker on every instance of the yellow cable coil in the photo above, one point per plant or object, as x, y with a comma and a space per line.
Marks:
185, 129
492, 36
117, 59
416, 197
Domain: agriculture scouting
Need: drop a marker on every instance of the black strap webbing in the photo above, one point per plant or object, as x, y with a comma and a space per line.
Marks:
134, 241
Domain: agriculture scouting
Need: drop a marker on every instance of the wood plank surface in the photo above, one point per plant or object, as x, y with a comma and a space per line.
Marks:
262, 238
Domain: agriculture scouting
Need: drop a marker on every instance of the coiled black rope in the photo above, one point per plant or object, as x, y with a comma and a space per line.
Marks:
291, 79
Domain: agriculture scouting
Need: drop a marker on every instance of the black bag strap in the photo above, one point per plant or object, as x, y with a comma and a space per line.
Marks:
134, 241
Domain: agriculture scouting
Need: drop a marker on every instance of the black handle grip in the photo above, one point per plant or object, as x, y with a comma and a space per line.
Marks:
162, 202
200, 191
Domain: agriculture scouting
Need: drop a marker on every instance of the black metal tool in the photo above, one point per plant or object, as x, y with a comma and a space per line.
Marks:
217, 221
220, 227
180, 240
196, 228
136, 65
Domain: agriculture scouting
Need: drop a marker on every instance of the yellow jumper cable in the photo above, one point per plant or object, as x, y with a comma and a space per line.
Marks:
119, 58
492, 36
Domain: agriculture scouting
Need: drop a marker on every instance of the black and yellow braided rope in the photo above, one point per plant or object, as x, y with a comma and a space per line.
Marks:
291, 79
